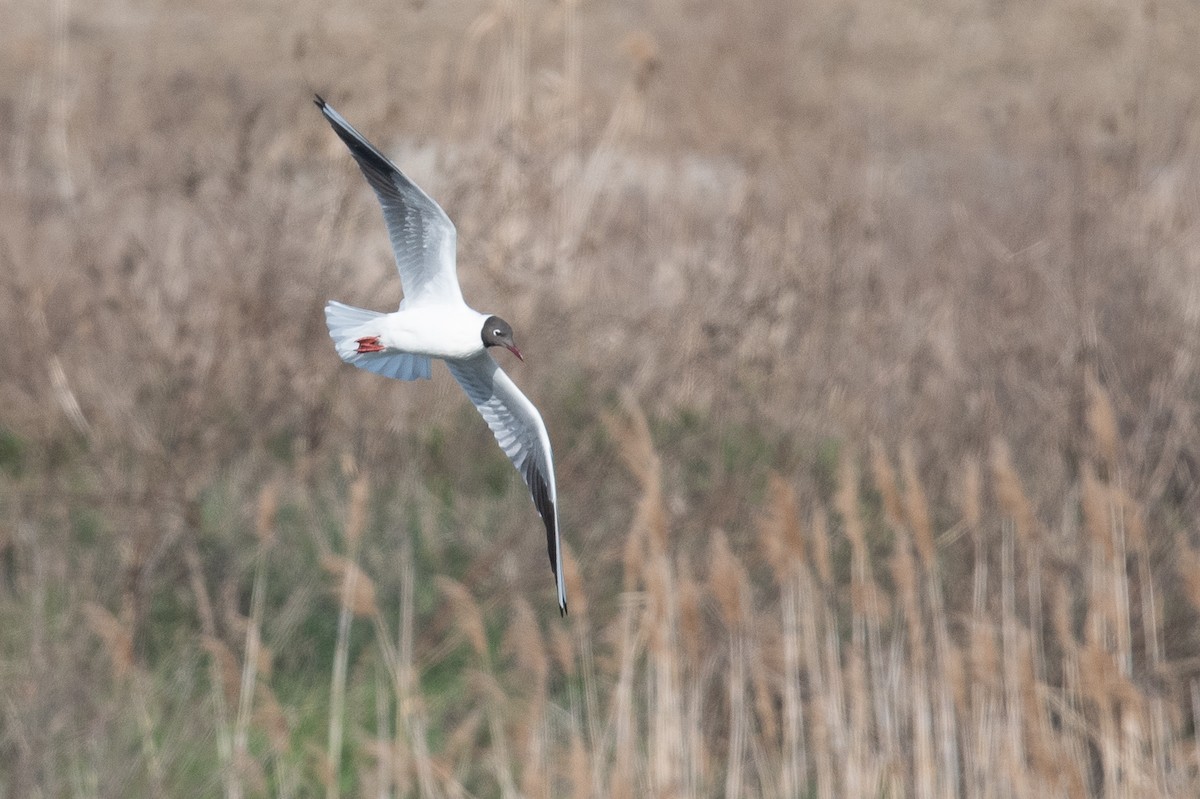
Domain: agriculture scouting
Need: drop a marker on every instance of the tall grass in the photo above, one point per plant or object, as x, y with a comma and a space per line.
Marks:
849, 672
866, 335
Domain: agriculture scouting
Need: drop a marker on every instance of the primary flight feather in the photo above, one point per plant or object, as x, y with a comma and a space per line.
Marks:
434, 322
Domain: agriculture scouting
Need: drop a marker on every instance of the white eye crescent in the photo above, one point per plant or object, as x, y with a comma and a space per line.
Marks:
497, 332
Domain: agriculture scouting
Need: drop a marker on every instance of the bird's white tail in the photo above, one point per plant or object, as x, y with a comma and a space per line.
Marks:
348, 324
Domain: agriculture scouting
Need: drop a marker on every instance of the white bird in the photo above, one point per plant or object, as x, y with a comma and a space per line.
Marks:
434, 322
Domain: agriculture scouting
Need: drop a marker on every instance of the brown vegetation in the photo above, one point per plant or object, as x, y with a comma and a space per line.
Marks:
909, 295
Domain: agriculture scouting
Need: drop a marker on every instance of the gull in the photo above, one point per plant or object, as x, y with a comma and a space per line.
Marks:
433, 321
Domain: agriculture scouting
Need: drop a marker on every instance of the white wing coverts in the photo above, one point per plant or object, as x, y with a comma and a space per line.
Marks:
520, 432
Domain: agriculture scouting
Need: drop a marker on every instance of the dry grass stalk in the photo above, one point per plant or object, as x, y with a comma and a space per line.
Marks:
356, 514
356, 597
523, 642
1134, 518
666, 751
1187, 564
118, 643
1060, 616
645, 545
251, 660
461, 740
265, 663
579, 768
916, 508
221, 667
381, 752
823, 749
341, 653
984, 656
737, 713
819, 525
846, 503
1096, 517
832, 742
251, 771
1194, 694
467, 615
563, 649
621, 782
764, 704
1037, 736
264, 520
795, 771
410, 709
1110, 611
635, 445
953, 667
495, 701
972, 493
633, 558
865, 596
846, 779
117, 639
1104, 614
1011, 494
643, 49
1102, 422
904, 575
659, 621
270, 718
691, 666
534, 783
779, 533
861, 767
230, 671
726, 580
580, 630
355, 588
691, 623
659, 617
1102, 681
885, 483
321, 765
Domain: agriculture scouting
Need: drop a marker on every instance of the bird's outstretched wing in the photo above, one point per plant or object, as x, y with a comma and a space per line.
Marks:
520, 432
423, 237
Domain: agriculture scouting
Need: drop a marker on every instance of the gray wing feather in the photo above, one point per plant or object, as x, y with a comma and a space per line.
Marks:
522, 435
423, 238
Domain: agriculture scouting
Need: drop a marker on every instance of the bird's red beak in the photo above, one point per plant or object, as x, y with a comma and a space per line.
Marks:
513, 349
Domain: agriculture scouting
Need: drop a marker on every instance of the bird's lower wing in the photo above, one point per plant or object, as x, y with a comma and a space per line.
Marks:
521, 433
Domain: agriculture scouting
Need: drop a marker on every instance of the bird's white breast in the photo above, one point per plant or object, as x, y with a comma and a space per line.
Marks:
435, 330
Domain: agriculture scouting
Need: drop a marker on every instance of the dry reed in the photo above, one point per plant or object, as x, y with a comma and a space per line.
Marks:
781, 238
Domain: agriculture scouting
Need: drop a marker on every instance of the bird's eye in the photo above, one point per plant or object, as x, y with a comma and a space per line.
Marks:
497, 332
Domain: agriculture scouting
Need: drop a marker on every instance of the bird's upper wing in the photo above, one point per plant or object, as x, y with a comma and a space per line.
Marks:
520, 432
423, 237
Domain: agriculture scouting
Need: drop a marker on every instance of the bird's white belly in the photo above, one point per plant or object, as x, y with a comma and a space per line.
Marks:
439, 332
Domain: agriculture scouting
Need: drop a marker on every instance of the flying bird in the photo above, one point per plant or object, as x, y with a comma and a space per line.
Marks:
433, 321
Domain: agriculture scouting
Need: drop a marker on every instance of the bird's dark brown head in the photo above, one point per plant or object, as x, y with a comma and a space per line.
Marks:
498, 333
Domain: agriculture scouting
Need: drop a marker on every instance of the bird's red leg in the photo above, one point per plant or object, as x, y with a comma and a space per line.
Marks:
369, 344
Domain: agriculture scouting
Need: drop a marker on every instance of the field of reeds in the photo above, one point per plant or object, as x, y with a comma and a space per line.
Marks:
867, 335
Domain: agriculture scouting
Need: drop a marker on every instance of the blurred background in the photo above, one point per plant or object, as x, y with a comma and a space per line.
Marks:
866, 334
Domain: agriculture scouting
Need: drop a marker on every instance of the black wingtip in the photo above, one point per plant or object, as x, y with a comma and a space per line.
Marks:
562, 610
319, 102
